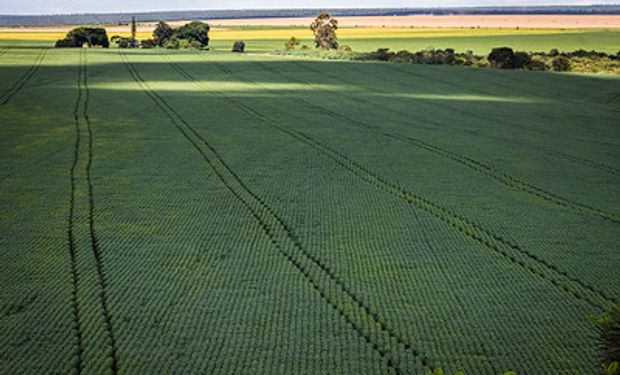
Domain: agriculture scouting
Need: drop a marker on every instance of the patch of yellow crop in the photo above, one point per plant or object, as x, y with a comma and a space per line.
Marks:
347, 33
28, 35
376, 33
52, 36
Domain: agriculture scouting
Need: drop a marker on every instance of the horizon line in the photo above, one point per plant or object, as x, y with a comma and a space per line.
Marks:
307, 8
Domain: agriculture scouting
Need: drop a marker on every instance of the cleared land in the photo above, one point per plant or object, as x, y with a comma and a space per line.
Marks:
269, 39
467, 21
183, 212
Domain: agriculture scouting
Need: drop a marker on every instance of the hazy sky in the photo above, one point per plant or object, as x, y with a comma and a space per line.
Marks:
82, 6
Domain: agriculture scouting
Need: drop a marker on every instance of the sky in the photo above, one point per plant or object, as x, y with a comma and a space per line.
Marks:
111, 6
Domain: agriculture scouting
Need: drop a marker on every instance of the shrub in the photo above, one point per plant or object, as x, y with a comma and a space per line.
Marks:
172, 43
148, 43
608, 326
123, 42
291, 43
345, 48
561, 64
383, 54
554, 52
521, 60
503, 58
239, 46
536, 64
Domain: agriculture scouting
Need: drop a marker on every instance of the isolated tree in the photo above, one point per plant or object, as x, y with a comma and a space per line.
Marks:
162, 33
324, 28
194, 31
134, 41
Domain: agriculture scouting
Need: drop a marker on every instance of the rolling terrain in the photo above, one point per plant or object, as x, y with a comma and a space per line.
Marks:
187, 212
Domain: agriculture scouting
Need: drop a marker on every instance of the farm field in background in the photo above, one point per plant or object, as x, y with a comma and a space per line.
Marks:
364, 39
204, 212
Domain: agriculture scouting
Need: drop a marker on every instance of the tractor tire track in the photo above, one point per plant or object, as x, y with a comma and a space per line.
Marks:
508, 249
6, 96
81, 119
96, 249
77, 324
473, 164
339, 297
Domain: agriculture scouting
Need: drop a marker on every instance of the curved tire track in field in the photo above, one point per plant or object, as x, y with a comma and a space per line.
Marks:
103, 282
473, 164
372, 329
77, 325
81, 116
510, 250
6, 96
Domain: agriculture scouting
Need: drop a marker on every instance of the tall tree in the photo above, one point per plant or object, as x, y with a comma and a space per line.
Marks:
133, 31
324, 28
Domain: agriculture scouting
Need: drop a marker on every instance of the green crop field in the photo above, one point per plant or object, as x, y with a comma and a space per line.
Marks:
197, 212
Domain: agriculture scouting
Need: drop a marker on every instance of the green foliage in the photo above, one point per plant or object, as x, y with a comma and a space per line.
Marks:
194, 34
148, 43
610, 369
502, 58
269, 215
561, 64
194, 31
90, 36
324, 28
124, 42
608, 326
291, 44
162, 33
172, 43
238, 46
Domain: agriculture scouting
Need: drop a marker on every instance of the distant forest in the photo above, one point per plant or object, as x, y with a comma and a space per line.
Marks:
124, 18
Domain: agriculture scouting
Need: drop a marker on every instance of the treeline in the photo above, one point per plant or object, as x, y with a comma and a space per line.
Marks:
506, 58
125, 18
581, 61
194, 34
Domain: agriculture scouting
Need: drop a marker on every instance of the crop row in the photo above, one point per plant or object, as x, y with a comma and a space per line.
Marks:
89, 295
367, 323
541, 268
465, 225
472, 163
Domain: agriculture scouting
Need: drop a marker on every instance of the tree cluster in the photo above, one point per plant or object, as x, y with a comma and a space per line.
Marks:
194, 34
81, 36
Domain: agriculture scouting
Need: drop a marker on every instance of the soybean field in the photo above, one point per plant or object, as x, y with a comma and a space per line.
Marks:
177, 212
